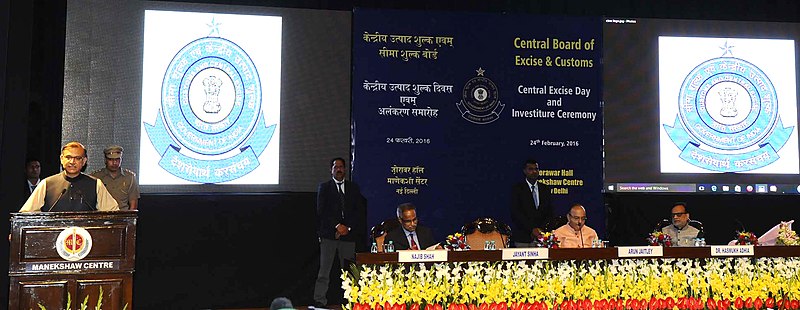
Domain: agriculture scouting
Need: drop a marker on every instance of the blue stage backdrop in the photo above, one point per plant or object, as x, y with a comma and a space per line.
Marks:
448, 106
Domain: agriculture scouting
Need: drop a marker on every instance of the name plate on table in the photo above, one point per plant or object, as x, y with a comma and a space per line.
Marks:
411, 256
526, 253
731, 250
640, 251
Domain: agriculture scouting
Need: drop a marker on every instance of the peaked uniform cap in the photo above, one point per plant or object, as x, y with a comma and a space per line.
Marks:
113, 152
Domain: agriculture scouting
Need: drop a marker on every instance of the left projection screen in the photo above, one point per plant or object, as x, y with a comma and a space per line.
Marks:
210, 98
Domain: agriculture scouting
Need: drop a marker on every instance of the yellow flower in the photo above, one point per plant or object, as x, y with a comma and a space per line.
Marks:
555, 281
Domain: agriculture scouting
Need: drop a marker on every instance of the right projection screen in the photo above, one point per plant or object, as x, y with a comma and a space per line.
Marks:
696, 106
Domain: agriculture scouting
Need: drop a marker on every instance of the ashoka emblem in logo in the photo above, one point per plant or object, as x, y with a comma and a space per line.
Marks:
74, 243
728, 117
480, 101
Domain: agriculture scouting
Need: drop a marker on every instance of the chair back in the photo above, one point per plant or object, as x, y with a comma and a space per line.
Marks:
485, 229
697, 224
661, 224
555, 222
378, 232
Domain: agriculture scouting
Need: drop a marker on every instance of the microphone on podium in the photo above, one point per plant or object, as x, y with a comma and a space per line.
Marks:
79, 193
57, 199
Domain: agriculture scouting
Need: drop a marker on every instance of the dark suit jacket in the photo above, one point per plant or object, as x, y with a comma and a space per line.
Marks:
524, 215
330, 211
400, 240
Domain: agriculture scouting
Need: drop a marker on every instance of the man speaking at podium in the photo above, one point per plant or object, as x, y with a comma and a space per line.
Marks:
70, 190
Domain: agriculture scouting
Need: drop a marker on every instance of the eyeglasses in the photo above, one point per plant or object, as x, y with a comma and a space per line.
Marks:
578, 218
71, 158
679, 213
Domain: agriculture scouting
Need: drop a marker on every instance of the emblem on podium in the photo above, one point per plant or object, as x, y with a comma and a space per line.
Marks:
74, 243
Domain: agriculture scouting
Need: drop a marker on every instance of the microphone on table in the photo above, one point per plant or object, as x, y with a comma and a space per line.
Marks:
57, 199
740, 225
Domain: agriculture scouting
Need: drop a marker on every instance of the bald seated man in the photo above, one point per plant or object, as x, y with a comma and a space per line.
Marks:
680, 231
575, 234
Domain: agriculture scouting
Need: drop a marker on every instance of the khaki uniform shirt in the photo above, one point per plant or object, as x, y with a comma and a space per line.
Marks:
123, 188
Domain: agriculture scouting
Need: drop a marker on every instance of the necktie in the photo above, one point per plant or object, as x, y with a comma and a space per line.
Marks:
535, 193
340, 187
413, 243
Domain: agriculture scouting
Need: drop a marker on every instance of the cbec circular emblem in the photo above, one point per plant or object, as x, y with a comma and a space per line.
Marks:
73, 243
211, 128
728, 117
480, 100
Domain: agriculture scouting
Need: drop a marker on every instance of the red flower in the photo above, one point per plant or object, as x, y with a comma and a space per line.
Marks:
738, 303
759, 303
711, 304
770, 303
697, 303
724, 304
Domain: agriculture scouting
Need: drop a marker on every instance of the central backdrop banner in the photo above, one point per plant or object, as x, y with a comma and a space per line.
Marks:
447, 107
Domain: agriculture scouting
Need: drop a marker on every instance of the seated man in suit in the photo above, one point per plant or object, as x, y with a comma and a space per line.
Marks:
409, 236
575, 234
680, 231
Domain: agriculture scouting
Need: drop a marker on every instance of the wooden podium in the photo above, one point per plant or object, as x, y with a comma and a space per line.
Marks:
59, 259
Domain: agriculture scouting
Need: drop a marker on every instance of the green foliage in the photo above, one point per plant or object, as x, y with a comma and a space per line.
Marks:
85, 303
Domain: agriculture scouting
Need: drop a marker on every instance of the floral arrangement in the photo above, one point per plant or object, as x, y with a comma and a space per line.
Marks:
456, 242
85, 304
717, 283
548, 240
787, 236
658, 238
746, 238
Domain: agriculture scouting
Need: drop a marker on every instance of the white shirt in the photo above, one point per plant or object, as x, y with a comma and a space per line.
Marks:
339, 184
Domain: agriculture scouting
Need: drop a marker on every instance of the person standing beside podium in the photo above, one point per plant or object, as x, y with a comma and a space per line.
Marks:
530, 207
120, 182
70, 190
341, 215
32, 170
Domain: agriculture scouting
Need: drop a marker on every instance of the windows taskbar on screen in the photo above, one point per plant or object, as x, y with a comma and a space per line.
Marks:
703, 188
